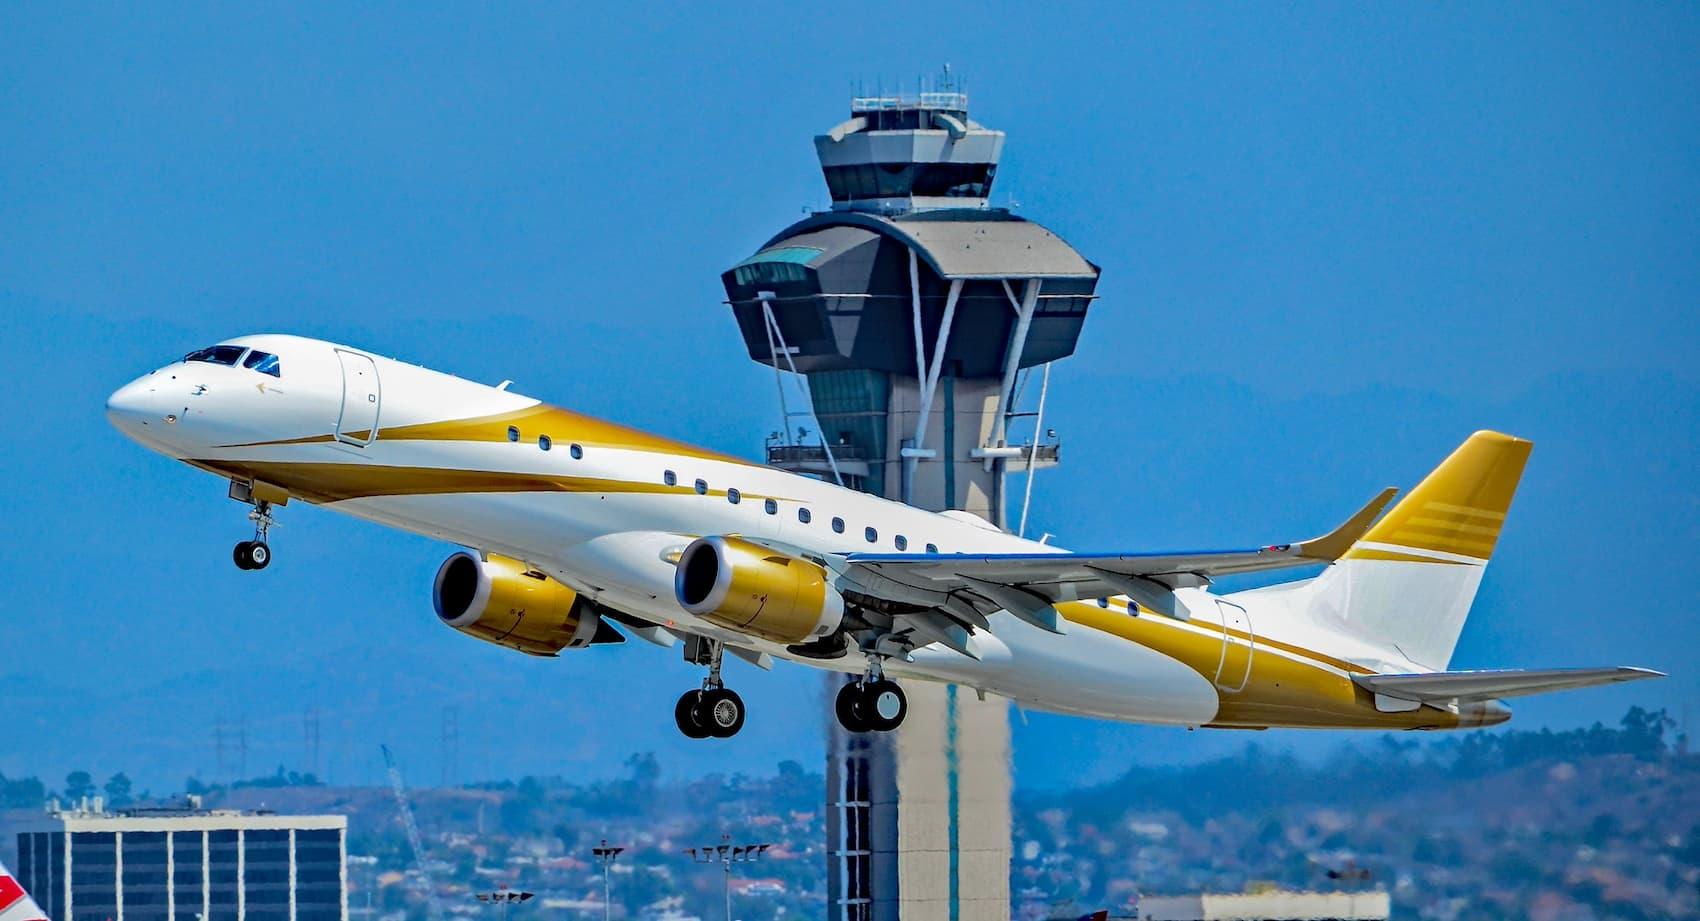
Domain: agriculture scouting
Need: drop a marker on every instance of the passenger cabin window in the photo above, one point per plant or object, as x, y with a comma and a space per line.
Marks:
804, 516
702, 487
1103, 602
544, 442
263, 362
932, 548
513, 433
670, 478
871, 535
838, 525
217, 354
577, 452
901, 542
771, 506
734, 496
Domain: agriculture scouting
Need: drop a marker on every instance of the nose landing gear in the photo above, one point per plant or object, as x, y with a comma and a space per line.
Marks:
256, 554
873, 704
715, 711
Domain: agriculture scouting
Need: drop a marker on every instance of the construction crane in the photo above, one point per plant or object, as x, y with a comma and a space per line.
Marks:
433, 908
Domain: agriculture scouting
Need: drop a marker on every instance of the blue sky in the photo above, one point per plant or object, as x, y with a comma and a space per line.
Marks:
1335, 240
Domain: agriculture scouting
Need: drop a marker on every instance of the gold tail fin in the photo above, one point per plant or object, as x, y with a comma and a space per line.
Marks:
1460, 507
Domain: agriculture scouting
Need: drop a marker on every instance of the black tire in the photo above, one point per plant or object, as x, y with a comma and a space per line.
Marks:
847, 709
721, 712
259, 555
883, 705
240, 555
684, 713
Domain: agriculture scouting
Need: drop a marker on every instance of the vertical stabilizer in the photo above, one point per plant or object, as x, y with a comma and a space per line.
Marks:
1408, 583
15, 903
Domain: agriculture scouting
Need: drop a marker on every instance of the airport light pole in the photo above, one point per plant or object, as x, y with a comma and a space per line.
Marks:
726, 854
605, 856
504, 897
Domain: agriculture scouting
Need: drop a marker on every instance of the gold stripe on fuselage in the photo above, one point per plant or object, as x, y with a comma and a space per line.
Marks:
323, 483
1301, 689
562, 426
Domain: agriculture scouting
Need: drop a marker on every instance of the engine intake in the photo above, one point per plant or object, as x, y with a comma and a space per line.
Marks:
753, 589
502, 601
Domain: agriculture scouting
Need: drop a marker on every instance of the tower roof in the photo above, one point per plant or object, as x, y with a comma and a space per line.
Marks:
991, 244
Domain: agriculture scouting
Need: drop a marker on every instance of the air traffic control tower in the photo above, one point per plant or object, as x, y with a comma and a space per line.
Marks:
913, 308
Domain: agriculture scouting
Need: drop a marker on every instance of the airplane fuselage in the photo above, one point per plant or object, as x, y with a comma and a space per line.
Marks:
606, 510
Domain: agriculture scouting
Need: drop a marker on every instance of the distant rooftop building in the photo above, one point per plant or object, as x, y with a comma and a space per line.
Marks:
185, 864
1270, 905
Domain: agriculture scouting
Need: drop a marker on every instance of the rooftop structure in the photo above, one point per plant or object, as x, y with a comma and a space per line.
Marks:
1272, 905
185, 864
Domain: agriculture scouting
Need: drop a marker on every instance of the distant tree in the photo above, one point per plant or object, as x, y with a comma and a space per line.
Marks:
1644, 732
644, 770
23, 793
118, 789
78, 784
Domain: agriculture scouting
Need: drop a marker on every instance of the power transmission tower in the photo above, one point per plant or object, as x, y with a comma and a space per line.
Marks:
221, 736
310, 733
433, 908
451, 746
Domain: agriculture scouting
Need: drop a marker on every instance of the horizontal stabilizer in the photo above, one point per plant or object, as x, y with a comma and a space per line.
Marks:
1496, 683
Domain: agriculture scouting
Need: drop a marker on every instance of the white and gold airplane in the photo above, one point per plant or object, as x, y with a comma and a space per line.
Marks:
581, 532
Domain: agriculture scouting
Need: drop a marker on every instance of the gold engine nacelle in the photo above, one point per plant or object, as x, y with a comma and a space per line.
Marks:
753, 589
503, 601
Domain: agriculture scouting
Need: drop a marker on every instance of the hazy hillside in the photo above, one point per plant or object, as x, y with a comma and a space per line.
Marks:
1601, 823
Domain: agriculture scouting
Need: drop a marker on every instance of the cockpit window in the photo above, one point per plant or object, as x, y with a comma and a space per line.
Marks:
263, 362
217, 354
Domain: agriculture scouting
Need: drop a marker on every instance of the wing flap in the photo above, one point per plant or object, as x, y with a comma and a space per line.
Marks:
1496, 683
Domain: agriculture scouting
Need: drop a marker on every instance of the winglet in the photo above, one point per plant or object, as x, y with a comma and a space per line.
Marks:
1334, 544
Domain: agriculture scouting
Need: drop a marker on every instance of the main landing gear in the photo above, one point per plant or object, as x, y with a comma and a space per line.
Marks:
715, 711
874, 703
256, 554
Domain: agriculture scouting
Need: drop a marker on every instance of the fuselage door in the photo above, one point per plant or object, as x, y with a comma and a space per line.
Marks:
361, 397
1239, 644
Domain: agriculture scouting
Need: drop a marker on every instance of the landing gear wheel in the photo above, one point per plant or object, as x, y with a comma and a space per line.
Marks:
847, 709
721, 711
252, 554
685, 714
883, 705
871, 706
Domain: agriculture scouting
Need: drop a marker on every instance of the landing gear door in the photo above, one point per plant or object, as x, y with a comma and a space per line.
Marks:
1239, 644
361, 397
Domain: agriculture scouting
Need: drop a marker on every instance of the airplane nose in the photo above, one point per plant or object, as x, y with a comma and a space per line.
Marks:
131, 410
